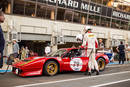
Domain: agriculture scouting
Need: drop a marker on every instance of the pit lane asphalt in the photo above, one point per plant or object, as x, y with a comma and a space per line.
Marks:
71, 79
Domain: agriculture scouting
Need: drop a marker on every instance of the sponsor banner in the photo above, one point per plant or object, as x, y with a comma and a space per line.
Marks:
86, 6
121, 15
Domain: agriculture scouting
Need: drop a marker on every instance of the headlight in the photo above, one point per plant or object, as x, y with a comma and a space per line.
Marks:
18, 71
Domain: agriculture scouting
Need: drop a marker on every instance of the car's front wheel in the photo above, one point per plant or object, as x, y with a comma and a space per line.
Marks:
50, 68
101, 64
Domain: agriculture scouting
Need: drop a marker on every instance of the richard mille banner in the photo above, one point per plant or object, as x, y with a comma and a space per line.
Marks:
85, 6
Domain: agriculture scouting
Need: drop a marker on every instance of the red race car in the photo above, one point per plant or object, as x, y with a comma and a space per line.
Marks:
67, 59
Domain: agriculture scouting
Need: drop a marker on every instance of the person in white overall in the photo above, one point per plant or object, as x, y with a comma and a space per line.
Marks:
90, 42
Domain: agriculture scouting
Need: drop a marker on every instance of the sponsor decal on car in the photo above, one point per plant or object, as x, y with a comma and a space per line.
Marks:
76, 64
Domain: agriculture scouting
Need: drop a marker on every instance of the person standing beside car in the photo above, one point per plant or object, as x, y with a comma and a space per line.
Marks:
2, 40
121, 50
90, 42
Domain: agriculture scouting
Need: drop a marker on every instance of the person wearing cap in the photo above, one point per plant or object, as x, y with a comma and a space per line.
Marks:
2, 40
15, 48
90, 42
101, 44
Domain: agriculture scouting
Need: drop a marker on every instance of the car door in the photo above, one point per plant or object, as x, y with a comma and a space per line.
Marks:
66, 62
74, 61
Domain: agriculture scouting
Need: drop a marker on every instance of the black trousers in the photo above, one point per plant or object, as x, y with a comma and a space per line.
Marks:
121, 58
1, 60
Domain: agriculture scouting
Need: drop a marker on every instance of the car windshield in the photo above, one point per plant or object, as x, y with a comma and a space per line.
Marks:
57, 53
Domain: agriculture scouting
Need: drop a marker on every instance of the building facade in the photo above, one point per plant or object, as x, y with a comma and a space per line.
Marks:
38, 22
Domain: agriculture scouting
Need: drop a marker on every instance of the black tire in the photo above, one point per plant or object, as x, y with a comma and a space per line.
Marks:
101, 64
51, 68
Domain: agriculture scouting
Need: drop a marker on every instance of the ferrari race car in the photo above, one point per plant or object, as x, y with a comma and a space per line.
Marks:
67, 59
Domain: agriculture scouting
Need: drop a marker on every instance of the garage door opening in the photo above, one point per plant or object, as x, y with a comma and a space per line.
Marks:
36, 46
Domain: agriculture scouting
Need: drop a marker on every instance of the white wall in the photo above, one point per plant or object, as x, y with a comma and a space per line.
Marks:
43, 26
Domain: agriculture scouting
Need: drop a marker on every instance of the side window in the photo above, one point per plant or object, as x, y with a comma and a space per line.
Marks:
75, 53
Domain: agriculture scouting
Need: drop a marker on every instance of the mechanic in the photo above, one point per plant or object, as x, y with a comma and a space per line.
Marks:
2, 40
90, 42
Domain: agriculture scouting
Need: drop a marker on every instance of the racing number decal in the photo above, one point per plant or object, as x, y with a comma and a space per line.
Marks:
76, 64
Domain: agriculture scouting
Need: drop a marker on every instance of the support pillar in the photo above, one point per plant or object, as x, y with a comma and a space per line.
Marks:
83, 20
108, 41
52, 14
8, 9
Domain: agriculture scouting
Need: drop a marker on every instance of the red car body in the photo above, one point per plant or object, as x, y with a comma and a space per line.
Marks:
35, 65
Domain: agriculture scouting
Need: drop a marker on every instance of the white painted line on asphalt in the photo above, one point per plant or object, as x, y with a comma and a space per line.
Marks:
74, 79
110, 83
117, 65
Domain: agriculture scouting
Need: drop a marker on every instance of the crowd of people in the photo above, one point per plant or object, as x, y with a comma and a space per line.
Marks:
21, 54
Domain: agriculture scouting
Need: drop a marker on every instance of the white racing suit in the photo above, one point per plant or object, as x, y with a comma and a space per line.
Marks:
90, 42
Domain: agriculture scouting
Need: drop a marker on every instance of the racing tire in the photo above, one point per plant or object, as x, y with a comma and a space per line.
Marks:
51, 68
101, 64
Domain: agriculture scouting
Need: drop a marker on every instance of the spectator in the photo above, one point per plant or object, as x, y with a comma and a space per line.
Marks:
101, 44
15, 48
23, 53
121, 50
32, 54
127, 52
27, 51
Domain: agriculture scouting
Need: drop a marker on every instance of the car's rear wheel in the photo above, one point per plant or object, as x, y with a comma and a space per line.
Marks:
51, 68
101, 64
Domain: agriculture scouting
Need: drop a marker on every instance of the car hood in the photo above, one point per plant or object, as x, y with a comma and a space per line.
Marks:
39, 57
29, 60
